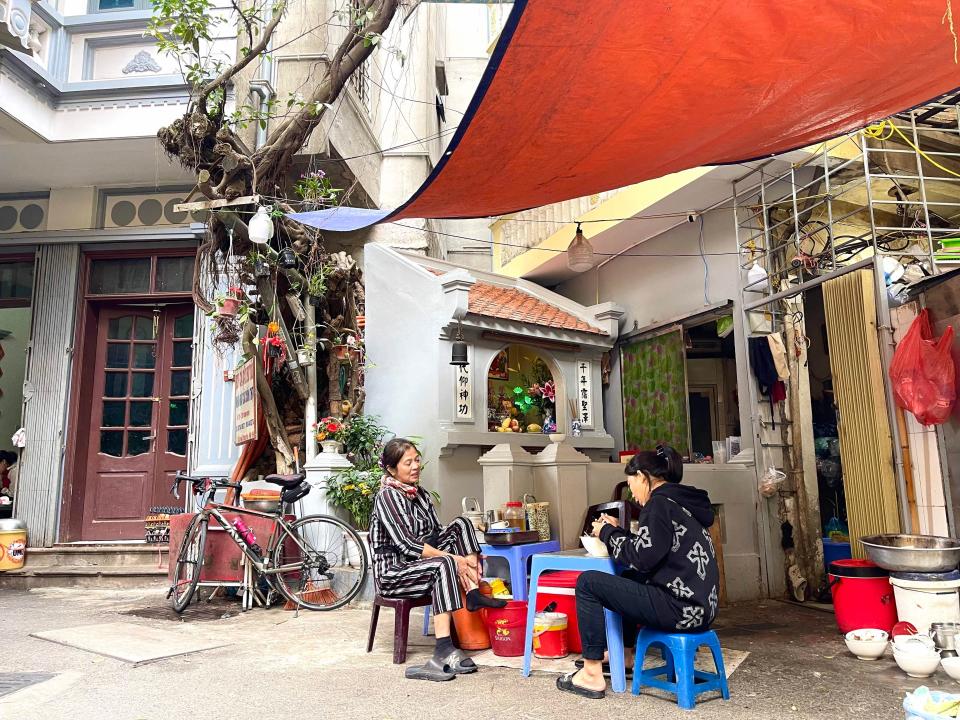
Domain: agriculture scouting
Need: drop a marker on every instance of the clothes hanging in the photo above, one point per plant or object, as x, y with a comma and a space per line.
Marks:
779, 352
765, 370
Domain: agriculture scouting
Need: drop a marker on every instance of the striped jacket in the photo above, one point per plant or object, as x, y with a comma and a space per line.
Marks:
399, 527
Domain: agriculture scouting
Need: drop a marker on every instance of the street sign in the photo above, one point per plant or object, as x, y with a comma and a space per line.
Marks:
245, 400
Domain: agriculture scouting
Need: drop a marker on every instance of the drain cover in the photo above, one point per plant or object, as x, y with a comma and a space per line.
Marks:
202, 612
11, 682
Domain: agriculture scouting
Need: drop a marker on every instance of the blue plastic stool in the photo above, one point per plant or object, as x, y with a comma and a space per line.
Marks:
516, 557
580, 561
680, 650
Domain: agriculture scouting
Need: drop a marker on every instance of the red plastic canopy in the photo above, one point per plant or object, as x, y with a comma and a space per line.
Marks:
584, 96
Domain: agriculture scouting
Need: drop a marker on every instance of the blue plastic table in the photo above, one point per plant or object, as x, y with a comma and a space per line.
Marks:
578, 560
516, 556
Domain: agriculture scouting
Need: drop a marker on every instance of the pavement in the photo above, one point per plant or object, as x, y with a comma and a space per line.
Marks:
275, 664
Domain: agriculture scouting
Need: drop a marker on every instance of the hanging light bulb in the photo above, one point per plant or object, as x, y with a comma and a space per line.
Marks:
458, 351
260, 227
579, 252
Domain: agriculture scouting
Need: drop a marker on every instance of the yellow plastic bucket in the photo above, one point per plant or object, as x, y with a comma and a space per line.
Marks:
550, 635
13, 544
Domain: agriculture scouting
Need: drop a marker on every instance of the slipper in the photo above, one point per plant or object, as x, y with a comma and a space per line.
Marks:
566, 684
578, 664
430, 670
453, 663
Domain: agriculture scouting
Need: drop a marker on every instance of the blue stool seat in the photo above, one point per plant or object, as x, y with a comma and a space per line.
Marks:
516, 557
678, 673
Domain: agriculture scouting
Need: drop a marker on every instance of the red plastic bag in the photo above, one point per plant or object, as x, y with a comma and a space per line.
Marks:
923, 373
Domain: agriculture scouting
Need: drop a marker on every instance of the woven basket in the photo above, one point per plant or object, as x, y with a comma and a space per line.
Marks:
538, 516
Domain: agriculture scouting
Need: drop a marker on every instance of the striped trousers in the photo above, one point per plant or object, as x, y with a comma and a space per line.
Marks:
436, 576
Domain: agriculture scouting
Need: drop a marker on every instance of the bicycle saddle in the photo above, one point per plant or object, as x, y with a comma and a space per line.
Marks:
286, 481
292, 494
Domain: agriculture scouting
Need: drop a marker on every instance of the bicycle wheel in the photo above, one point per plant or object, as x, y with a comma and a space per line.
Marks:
186, 575
321, 561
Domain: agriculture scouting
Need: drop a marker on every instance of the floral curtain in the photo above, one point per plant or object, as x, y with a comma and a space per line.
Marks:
654, 387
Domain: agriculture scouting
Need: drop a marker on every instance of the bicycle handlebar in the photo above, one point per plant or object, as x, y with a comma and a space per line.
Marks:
199, 483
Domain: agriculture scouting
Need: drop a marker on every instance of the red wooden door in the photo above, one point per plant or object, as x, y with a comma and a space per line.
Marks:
138, 418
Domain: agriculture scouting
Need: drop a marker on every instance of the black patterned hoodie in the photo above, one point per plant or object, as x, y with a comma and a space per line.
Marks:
673, 552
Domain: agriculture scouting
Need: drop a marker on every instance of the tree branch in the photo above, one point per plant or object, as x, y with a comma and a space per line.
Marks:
255, 52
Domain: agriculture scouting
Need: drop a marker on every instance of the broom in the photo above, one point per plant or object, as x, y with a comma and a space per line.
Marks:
318, 592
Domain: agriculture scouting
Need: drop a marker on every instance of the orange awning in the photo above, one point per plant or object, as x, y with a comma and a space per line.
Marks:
581, 97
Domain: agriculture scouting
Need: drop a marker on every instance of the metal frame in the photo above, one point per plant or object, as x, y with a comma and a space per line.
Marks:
820, 192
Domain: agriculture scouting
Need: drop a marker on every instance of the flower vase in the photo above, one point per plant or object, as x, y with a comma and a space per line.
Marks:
330, 446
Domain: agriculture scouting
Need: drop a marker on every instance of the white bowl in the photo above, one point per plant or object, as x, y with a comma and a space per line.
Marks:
951, 665
866, 644
914, 643
916, 664
594, 546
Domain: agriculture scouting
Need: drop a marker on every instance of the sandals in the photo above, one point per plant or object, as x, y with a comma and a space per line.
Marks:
432, 669
565, 684
453, 663
578, 664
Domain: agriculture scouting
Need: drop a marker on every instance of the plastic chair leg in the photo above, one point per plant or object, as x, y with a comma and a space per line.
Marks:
717, 654
426, 620
518, 578
374, 616
401, 628
614, 626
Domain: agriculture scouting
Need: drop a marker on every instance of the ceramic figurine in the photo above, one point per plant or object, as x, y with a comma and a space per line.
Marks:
575, 428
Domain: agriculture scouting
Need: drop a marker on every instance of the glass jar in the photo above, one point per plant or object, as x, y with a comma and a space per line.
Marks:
515, 516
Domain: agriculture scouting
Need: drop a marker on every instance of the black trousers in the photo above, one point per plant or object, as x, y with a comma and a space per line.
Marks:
637, 603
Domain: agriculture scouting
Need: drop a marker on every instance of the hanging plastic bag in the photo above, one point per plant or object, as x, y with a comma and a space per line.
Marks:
923, 373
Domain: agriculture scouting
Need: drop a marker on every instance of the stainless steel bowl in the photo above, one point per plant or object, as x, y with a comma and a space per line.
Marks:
913, 553
267, 506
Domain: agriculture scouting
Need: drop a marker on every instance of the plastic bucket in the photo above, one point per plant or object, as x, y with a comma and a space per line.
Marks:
507, 628
833, 551
550, 635
862, 596
559, 587
13, 544
926, 598
471, 629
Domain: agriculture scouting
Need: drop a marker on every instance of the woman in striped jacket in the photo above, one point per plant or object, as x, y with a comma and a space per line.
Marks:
414, 555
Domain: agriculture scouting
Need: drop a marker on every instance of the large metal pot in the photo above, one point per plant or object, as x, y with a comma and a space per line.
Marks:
913, 553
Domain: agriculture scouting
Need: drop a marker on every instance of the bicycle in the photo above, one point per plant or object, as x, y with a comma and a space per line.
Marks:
317, 562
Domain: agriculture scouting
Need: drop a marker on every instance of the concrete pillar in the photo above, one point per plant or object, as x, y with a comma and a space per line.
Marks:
506, 475
319, 469
560, 478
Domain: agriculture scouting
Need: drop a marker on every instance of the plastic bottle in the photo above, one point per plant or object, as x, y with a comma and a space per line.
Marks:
248, 536
515, 516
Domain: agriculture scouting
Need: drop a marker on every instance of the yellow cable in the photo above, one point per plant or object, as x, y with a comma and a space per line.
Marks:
877, 130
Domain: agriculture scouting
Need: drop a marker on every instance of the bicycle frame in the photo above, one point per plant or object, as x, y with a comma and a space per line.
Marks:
281, 529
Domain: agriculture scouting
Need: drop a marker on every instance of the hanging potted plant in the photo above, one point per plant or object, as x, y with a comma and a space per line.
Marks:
330, 432
361, 322
305, 356
317, 286
229, 304
355, 348
261, 267
288, 258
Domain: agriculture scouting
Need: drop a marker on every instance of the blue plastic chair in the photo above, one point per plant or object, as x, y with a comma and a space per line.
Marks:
516, 557
679, 675
580, 561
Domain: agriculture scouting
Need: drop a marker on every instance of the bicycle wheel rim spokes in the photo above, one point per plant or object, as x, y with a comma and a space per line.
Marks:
322, 563
189, 563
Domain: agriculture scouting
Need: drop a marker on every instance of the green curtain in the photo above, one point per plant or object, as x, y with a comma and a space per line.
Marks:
654, 391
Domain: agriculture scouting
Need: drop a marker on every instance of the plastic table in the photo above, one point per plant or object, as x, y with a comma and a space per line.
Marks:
516, 556
580, 561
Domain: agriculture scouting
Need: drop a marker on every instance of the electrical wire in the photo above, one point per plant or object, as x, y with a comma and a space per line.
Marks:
706, 267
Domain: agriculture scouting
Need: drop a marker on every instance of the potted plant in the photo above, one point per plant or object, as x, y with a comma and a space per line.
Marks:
353, 490
261, 267
317, 285
229, 303
330, 432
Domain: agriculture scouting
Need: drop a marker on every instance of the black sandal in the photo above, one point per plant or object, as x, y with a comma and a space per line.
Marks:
628, 670
565, 683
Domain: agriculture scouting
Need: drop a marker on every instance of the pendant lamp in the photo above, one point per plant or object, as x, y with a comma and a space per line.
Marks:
458, 349
579, 252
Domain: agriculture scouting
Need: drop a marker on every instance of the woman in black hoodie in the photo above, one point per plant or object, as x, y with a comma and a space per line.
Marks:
671, 582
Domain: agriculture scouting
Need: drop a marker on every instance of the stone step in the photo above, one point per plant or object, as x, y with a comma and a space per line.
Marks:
97, 555
128, 576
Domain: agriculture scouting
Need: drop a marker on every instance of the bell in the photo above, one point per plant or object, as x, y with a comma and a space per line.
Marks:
458, 355
287, 258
